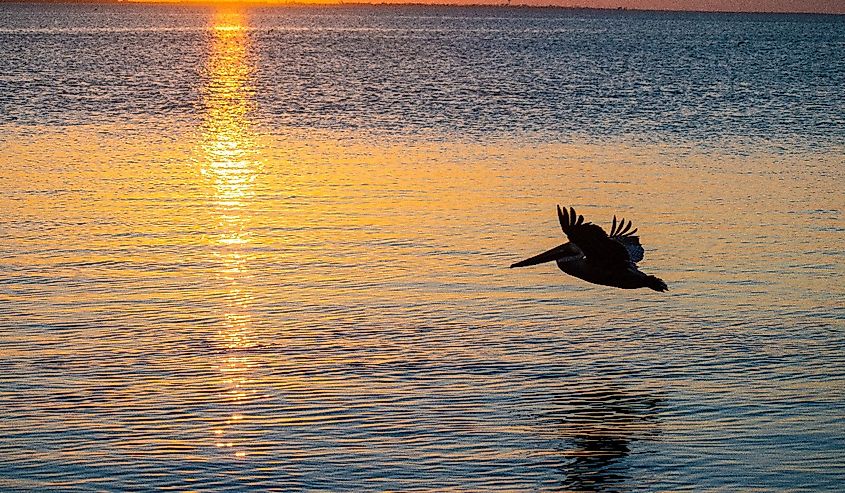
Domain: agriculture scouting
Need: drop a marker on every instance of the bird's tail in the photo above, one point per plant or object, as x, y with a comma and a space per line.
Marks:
656, 283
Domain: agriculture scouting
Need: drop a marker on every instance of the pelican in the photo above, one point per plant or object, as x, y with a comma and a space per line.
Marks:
594, 256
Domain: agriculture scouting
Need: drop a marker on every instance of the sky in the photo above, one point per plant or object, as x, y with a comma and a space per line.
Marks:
827, 6
820, 6
816, 6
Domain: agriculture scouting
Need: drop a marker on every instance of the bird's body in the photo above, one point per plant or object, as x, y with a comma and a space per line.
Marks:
596, 257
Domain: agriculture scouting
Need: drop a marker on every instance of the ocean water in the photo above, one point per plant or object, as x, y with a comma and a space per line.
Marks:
266, 249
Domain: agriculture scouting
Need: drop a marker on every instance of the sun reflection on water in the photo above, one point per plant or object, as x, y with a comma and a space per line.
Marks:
229, 145
230, 164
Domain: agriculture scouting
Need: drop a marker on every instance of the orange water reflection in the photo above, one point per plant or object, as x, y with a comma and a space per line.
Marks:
230, 163
383, 256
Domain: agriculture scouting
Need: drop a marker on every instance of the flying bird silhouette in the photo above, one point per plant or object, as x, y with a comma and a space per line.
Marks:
594, 256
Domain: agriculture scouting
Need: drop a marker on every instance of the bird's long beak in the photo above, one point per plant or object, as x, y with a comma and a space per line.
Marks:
553, 254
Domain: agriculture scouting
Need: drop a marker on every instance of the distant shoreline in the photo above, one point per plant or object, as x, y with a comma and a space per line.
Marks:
324, 4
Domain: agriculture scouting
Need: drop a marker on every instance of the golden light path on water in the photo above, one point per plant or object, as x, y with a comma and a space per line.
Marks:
229, 161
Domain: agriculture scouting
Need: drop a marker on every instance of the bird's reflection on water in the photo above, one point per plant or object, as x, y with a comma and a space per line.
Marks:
595, 431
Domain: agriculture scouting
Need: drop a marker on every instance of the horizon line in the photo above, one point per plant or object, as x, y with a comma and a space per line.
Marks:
434, 3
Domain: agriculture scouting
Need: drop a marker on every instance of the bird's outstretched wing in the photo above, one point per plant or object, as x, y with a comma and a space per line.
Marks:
599, 249
622, 233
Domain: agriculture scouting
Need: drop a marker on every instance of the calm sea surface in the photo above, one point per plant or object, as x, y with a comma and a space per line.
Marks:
267, 249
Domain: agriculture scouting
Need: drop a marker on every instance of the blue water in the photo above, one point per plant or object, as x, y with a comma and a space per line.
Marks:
267, 249
557, 73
